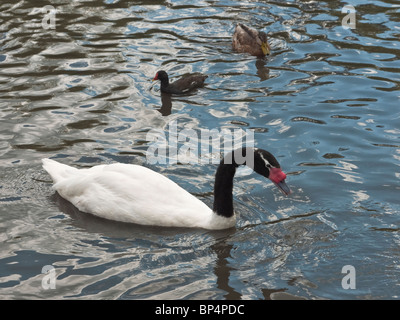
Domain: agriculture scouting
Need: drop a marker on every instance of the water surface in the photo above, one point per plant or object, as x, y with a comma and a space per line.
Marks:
326, 103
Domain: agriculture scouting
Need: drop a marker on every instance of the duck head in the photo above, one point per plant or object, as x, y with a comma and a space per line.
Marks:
262, 40
161, 75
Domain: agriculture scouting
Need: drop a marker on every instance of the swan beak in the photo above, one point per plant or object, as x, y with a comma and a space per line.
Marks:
265, 48
283, 187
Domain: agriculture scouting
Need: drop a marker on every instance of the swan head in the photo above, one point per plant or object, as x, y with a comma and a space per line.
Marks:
266, 165
262, 162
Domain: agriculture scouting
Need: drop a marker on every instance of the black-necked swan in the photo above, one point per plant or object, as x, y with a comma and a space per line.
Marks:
136, 194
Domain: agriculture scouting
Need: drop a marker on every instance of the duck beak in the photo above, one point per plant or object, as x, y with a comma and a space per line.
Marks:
283, 187
265, 48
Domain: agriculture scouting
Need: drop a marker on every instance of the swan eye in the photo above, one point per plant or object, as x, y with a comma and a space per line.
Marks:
266, 162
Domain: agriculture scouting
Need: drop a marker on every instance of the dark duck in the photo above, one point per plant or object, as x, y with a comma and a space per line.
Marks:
185, 84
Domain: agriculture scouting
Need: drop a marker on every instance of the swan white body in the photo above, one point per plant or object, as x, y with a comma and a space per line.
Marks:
132, 193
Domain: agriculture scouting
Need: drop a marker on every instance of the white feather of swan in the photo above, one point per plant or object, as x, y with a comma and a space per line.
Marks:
134, 194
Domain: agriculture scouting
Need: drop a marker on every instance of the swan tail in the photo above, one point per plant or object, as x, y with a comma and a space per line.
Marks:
56, 170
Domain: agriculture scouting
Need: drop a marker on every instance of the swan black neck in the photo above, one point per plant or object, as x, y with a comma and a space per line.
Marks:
223, 199
259, 160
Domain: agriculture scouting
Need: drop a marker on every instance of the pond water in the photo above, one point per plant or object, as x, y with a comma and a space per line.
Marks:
325, 102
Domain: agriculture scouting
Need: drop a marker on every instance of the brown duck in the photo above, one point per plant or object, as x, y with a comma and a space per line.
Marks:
246, 39
186, 84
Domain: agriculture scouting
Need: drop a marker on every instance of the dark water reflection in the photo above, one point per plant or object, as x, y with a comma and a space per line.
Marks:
325, 102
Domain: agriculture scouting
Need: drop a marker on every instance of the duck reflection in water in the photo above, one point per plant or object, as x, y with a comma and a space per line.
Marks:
166, 104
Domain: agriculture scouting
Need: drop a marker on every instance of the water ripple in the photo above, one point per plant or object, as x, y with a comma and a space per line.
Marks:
325, 102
